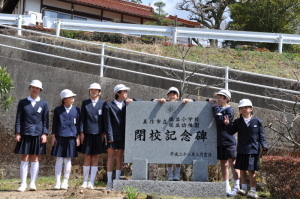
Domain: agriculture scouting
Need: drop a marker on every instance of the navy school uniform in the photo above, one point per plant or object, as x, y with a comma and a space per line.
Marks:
66, 128
31, 123
226, 142
249, 140
114, 124
92, 125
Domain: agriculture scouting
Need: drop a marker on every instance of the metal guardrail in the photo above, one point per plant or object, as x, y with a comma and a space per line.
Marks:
102, 56
18, 20
171, 32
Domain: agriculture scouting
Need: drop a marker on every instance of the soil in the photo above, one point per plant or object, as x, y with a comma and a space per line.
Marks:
71, 193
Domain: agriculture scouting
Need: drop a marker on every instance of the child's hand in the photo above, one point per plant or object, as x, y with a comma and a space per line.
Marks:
265, 149
226, 120
213, 102
128, 100
53, 139
162, 100
43, 138
77, 141
81, 137
18, 137
186, 100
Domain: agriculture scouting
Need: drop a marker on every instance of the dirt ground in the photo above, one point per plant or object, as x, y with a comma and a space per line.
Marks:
71, 193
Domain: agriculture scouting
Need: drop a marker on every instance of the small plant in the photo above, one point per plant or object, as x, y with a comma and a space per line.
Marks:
131, 192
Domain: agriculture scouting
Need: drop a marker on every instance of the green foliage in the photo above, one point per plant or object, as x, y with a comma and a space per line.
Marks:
282, 176
137, 1
5, 87
131, 192
266, 16
160, 16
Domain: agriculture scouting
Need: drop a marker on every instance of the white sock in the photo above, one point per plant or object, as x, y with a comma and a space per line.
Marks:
118, 174
170, 171
34, 171
253, 189
236, 184
67, 170
244, 186
227, 185
23, 172
177, 171
58, 168
94, 171
109, 177
86, 171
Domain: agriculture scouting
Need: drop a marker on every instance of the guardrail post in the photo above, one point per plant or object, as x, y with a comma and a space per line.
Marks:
19, 31
174, 35
102, 60
280, 40
226, 77
58, 24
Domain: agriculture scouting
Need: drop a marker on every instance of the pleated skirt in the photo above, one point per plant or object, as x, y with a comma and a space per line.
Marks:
30, 145
65, 147
92, 145
247, 162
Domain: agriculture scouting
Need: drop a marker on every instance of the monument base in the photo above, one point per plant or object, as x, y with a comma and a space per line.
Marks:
178, 188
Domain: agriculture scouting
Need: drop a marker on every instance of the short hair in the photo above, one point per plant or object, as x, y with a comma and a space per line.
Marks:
37, 87
174, 92
117, 96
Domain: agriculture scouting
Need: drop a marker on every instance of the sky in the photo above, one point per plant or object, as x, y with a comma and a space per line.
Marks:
169, 8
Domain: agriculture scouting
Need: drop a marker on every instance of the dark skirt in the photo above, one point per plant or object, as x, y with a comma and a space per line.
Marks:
226, 152
30, 145
116, 144
65, 147
247, 162
92, 145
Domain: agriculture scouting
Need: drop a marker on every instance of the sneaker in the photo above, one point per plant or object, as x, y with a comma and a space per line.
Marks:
32, 187
228, 192
252, 194
64, 186
109, 186
242, 192
84, 185
170, 178
233, 192
57, 186
176, 178
22, 188
90, 185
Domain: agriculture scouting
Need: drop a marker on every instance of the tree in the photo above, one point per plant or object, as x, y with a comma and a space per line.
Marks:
137, 1
160, 15
5, 87
210, 13
266, 16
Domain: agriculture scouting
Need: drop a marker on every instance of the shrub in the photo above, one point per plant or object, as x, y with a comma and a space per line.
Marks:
282, 176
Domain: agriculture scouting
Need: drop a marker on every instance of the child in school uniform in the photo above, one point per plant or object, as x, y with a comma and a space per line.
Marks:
114, 122
65, 137
250, 137
31, 129
172, 96
91, 134
226, 143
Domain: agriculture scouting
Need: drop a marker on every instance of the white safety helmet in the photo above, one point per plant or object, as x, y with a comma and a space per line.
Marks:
95, 86
224, 92
36, 83
120, 87
245, 102
66, 93
174, 89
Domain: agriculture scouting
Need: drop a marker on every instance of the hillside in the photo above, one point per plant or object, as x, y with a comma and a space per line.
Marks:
270, 63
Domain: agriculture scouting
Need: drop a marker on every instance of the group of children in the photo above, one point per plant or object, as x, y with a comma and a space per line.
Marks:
84, 130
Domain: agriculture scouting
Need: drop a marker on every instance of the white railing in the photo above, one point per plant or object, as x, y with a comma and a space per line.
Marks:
18, 20
102, 56
171, 32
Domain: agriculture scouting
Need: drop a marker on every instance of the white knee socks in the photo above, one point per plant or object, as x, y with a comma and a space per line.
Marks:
86, 171
67, 170
118, 174
177, 171
23, 172
170, 171
109, 177
58, 168
34, 170
94, 171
